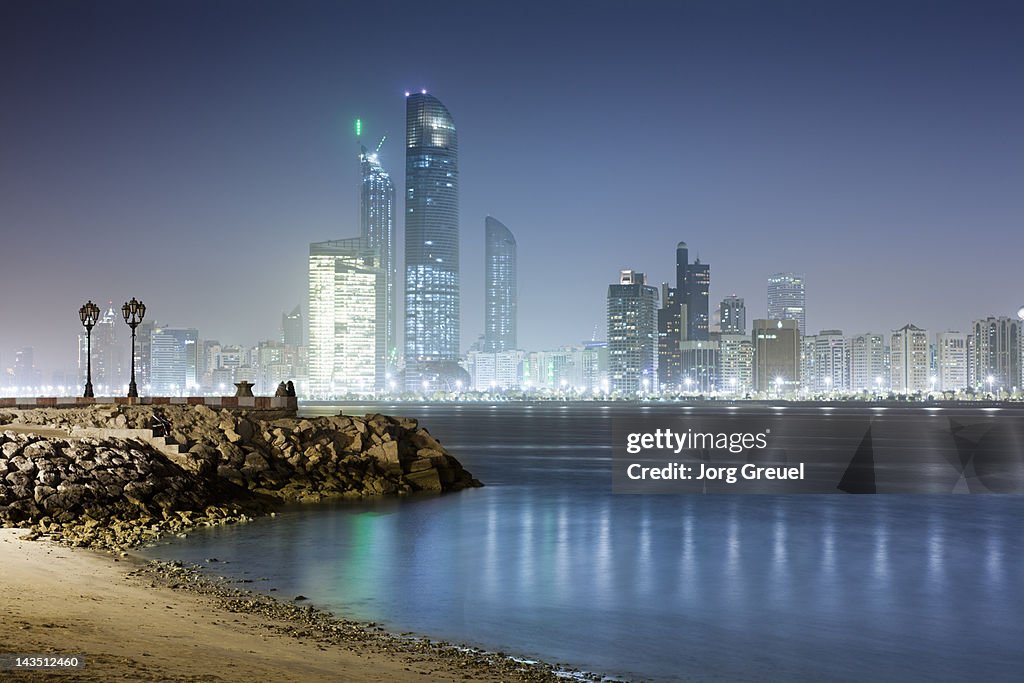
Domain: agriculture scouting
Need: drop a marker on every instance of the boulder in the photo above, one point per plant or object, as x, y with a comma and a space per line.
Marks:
424, 480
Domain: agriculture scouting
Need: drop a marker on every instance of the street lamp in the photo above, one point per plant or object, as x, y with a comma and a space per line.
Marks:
133, 311
89, 314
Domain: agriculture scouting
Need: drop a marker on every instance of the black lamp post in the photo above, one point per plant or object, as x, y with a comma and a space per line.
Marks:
89, 314
133, 311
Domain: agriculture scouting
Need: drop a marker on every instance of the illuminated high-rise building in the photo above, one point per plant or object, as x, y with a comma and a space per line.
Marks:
173, 361
377, 227
632, 334
951, 360
997, 350
684, 315
909, 359
500, 296
432, 316
787, 299
733, 315
346, 314
868, 370
776, 356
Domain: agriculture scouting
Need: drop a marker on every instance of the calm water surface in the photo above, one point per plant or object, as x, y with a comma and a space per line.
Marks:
545, 562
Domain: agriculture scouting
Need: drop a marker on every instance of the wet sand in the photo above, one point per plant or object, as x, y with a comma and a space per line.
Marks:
133, 620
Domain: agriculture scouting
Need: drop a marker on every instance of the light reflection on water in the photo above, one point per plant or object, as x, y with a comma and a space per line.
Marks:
546, 562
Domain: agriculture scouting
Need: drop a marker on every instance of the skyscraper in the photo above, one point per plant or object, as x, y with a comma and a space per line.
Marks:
683, 316
733, 315
787, 299
346, 314
910, 360
698, 287
997, 353
776, 356
868, 370
377, 227
501, 299
292, 328
831, 362
951, 360
632, 333
173, 361
432, 316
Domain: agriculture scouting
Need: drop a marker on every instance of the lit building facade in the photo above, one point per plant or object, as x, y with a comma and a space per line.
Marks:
500, 293
997, 348
868, 368
732, 315
632, 334
173, 361
787, 299
831, 362
432, 322
776, 356
347, 352
377, 227
951, 361
909, 360
700, 361
736, 363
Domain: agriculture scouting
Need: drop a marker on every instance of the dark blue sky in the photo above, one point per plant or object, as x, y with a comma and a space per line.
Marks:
187, 152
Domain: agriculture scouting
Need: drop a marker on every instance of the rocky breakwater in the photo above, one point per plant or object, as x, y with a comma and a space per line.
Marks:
215, 466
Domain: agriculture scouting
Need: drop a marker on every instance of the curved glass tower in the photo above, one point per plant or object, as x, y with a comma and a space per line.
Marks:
431, 236
500, 297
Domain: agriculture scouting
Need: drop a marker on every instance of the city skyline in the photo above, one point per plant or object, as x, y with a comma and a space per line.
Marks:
854, 165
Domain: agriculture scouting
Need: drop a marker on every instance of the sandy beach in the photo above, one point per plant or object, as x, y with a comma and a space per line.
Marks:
131, 624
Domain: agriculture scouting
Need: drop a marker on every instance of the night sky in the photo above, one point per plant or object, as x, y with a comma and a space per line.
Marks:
186, 153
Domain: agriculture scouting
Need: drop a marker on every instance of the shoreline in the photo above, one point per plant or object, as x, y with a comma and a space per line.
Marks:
137, 619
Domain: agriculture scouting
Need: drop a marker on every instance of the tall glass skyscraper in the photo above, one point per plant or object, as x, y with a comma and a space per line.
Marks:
500, 298
431, 237
787, 300
377, 227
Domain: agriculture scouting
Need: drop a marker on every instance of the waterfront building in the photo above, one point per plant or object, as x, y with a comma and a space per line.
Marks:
432, 317
173, 361
347, 347
500, 289
831, 362
997, 353
495, 370
776, 356
700, 361
868, 371
808, 360
951, 361
787, 299
632, 334
736, 363
909, 358
377, 227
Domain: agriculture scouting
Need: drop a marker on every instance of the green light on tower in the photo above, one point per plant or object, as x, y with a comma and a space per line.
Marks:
359, 128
